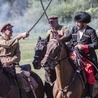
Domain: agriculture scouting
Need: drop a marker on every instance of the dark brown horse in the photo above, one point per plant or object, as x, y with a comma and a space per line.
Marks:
50, 75
9, 87
68, 83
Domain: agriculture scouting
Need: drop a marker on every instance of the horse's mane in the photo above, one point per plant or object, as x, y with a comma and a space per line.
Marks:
63, 44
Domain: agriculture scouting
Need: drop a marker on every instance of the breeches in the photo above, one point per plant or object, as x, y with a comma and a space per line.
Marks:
19, 75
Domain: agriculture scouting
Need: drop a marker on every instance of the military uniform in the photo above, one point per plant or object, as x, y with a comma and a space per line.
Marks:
58, 32
9, 51
53, 33
87, 38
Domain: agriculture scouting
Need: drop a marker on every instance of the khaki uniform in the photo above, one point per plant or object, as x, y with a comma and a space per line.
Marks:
58, 32
9, 50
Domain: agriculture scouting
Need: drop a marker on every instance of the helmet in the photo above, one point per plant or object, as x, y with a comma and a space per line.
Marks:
82, 17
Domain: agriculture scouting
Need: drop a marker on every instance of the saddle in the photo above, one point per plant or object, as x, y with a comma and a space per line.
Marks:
29, 81
26, 67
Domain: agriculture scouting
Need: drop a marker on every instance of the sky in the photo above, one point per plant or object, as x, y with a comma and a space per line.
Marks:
21, 15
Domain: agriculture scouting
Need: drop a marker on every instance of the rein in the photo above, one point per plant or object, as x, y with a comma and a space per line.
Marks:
57, 56
57, 62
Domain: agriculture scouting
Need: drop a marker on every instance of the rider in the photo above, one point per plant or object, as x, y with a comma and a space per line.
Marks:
10, 55
85, 39
56, 31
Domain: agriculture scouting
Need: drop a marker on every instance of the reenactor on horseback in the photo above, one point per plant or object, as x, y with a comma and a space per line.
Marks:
10, 55
56, 31
84, 38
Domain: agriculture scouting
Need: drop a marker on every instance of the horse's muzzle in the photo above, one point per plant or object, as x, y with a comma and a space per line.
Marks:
36, 65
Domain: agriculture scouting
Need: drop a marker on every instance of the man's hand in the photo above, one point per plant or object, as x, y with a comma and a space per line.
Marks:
24, 35
80, 46
7, 64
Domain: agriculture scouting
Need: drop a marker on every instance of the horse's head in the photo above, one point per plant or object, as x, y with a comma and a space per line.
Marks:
40, 50
56, 52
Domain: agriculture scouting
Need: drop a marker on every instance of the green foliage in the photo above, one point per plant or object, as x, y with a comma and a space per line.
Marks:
65, 9
93, 12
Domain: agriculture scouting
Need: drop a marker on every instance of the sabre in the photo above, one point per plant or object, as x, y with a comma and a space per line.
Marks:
46, 14
44, 10
39, 17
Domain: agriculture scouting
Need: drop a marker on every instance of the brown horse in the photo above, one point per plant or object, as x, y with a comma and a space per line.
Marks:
9, 86
50, 75
68, 83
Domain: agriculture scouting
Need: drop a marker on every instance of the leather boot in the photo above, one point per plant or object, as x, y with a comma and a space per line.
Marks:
90, 91
21, 85
22, 93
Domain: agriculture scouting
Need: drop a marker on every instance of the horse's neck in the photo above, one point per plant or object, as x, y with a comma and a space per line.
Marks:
64, 71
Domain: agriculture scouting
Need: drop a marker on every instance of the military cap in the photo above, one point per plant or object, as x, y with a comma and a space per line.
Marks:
82, 17
51, 18
6, 26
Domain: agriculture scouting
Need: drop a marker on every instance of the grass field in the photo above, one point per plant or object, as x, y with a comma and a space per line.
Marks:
27, 51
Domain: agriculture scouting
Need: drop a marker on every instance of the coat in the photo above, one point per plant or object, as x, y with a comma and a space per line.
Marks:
57, 33
89, 38
9, 50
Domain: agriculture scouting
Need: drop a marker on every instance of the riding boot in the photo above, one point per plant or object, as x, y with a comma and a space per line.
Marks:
91, 90
21, 85
22, 93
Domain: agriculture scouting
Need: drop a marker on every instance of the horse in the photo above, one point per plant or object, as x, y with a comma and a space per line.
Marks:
9, 86
68, 82
50, 75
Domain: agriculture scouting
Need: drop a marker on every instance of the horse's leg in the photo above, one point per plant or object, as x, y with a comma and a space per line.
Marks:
48, 90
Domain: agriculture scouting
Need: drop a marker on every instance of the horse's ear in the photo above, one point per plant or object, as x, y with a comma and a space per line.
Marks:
39, 38
47, 39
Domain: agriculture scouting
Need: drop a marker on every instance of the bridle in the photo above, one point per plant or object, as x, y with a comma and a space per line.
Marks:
58, 61
55, 59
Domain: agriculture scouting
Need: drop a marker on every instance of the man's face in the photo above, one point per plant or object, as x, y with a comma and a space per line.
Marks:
53, 23
8, 32
80, 25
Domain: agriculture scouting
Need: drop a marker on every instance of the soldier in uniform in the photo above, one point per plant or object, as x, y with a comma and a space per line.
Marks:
56, 31
10, 55
85, 39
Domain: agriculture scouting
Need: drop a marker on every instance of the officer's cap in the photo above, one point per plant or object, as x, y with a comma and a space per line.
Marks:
51, 18
6, 26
